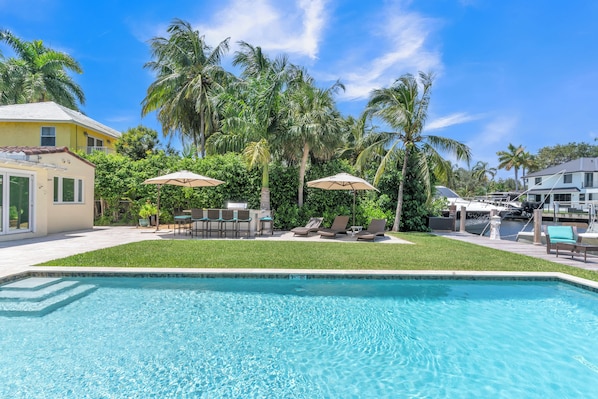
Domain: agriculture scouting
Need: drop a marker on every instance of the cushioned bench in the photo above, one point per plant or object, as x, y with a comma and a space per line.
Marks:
560, 234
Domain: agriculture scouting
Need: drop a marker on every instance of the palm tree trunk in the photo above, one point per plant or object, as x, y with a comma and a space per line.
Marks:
516, 179
397, 223
302, 168
265, 193
202, 135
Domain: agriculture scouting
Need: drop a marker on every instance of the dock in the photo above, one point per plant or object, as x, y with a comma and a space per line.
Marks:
527, 249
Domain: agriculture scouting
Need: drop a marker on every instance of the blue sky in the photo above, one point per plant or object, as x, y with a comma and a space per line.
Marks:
507, 71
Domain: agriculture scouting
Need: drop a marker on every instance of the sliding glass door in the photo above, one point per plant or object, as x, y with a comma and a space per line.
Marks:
16, 202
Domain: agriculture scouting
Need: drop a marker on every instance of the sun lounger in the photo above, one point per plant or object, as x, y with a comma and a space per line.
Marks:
375, 229
339, 225
312, 226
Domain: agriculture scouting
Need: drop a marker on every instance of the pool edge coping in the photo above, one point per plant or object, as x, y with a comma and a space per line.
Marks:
42, 271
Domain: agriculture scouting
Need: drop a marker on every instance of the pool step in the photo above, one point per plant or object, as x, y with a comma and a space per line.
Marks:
39, 296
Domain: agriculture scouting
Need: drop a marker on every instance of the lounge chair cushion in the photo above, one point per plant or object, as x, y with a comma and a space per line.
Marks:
561, 234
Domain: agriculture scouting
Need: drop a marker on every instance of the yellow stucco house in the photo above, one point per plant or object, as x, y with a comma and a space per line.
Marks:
44, 190
49, 124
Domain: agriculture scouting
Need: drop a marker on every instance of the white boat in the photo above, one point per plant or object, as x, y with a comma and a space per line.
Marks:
478, 204
477, 210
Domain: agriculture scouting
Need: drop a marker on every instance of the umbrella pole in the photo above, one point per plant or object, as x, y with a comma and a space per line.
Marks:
353, 207
158, 207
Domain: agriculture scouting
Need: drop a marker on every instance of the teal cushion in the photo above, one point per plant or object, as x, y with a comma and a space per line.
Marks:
561, 234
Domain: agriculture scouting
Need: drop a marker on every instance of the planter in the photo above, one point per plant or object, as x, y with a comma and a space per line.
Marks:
144, 222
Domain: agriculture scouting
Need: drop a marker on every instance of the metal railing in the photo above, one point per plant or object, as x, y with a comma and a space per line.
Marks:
90, 149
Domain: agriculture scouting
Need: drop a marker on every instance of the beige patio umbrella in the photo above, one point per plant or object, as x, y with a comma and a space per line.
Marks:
181, 178
342, 181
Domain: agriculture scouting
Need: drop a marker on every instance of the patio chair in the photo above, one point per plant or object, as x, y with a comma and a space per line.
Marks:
560, 234
227, 217
312, 226
267, 220
197, 217
243, 216
339, 225
375, 229
213, 217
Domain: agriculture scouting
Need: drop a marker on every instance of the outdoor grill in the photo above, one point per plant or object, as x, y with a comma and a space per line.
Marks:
236, 205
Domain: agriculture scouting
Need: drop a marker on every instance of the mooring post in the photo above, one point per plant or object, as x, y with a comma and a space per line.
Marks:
537, 226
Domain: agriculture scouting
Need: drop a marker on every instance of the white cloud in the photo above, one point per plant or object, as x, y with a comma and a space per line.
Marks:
402, 39
450, 120
494, 137
286, 27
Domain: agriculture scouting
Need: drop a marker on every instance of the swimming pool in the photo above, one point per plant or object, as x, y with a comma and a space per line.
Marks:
306, 338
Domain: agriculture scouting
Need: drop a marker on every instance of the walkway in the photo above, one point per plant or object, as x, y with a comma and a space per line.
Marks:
535, 251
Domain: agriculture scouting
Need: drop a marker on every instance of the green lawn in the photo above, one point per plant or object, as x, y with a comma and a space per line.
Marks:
429, 252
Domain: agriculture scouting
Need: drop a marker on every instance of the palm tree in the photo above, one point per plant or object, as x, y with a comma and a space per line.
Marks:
511, 159
528, 162
187, 72
313, 124
38, 74
250, 110
481, 171
404, 109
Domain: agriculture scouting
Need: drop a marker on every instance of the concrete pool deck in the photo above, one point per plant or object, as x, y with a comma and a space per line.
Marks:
19, 256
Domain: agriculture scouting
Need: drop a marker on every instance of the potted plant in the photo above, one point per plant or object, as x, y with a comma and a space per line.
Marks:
148, 209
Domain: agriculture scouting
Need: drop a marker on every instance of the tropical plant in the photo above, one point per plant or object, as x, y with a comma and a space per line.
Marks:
137, 143
250, 110
148, 209
481, 171
314, 126
511, 159
403, 108
187, 72
38, 74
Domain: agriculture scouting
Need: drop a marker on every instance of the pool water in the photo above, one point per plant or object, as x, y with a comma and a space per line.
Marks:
314, 338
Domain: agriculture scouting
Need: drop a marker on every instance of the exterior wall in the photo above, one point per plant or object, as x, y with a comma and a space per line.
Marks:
49, 217
72, 216
68, 135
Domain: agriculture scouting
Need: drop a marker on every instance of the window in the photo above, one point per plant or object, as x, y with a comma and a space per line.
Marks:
568, 178
68, 190
582, 197
48, 136
538, 181
588, 180
562, 197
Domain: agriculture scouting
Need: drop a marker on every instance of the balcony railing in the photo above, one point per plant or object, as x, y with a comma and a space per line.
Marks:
89, 150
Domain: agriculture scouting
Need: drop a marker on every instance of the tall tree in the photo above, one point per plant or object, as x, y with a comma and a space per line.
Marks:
314, 126
511, 159
481, 171
561, 153
38, 74
137, 143
187, 72
250, 110
404, 108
